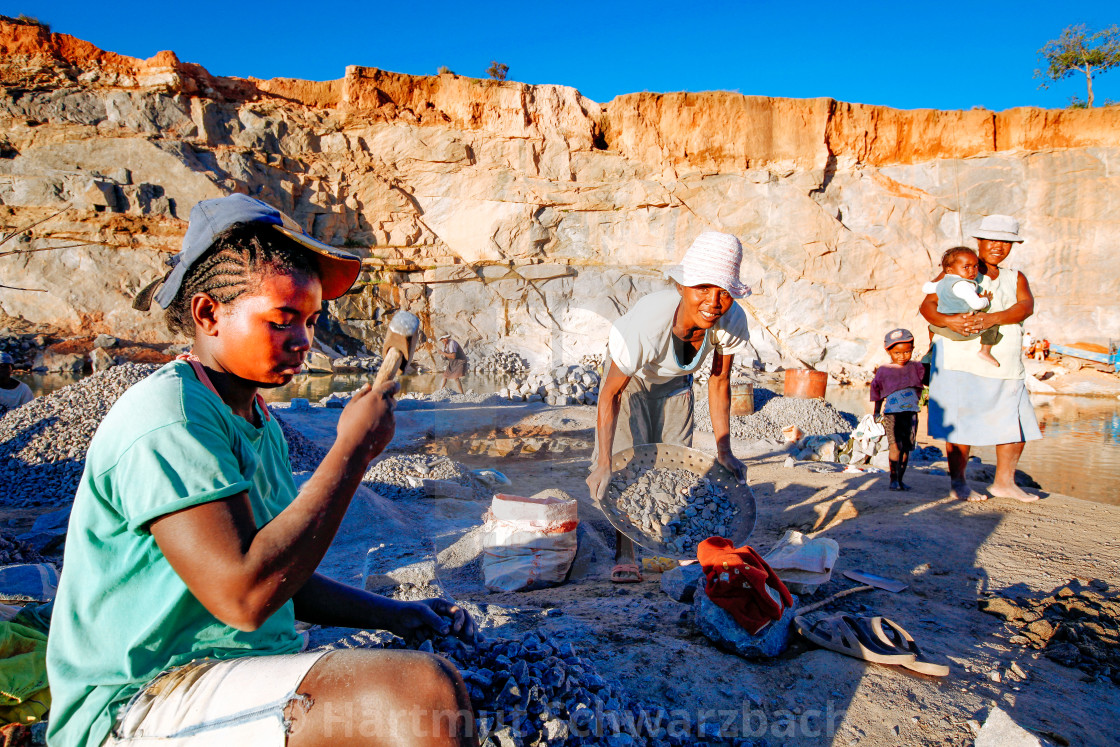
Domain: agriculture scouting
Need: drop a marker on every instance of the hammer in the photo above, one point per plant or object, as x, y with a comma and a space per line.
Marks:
400, 344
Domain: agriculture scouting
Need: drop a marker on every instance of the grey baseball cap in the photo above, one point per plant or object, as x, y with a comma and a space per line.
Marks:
337, 269
897, 336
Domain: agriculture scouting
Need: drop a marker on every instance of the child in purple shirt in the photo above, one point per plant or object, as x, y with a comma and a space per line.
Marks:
895, 390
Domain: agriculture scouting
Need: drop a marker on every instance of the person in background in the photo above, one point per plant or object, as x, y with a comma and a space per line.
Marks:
896, 390
970, 402
456, 361
13, 392
654, 349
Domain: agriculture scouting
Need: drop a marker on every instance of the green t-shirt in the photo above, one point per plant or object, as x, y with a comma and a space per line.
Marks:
122, 614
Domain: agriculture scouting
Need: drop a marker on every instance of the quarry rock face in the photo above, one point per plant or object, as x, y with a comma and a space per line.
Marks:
528, 218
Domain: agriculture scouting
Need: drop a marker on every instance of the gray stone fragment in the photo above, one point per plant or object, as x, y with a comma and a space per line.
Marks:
680, 582
721, 629
1000, 730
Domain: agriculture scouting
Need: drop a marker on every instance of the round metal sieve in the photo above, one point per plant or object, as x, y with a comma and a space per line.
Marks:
643, 457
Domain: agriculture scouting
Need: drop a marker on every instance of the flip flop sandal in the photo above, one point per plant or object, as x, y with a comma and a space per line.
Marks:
626, 573
895, 637
840, 633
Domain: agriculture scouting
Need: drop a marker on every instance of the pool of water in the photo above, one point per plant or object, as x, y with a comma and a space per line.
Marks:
1079, 454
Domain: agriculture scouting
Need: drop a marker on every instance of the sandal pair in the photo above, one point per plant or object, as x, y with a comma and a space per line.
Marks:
877, 640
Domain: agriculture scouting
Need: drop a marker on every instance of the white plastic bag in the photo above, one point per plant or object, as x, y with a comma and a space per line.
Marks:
528, 543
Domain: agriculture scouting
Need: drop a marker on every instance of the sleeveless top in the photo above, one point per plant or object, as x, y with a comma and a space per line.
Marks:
961, 355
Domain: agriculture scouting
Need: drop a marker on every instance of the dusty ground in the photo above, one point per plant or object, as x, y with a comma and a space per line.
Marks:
951, 554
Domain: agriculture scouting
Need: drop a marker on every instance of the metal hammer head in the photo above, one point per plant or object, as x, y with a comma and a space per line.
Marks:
403, 335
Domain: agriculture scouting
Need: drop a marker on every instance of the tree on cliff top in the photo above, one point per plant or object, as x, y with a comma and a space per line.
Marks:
497, 71
1077, 50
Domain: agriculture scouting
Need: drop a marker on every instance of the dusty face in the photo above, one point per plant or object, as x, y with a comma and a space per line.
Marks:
900, 353
965, 266
264, 337
703, 305
993, 252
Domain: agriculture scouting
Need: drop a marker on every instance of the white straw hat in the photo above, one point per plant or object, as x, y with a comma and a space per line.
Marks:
998, 228
713, 259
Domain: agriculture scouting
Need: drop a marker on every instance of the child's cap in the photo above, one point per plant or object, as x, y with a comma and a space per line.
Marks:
337, 269
897, 336
7, 358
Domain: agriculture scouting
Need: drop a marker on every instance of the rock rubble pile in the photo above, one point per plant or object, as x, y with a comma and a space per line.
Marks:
400, 477
13, 551
303, 453
674, 506
814, 417
356, 364
501, 363
563, 385
43, 444
531, 691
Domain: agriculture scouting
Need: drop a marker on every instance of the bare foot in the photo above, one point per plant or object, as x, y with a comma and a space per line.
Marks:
962, 491
1011, 491
984, 355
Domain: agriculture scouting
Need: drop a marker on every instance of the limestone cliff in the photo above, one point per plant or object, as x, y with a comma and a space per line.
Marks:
529, 217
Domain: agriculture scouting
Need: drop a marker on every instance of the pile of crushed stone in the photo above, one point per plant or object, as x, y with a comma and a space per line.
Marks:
43, 443
303, 453
1075, 627
530, 690
14, 551
399, 477
773, 413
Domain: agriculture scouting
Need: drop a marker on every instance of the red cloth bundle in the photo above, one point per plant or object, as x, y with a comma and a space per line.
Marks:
739, 581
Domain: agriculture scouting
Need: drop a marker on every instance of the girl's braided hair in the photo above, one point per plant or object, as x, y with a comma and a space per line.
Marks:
234, 265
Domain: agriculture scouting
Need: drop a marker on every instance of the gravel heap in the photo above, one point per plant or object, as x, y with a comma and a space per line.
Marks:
390, 476
13, 551
304, 454
814, 417
674, 506
501, 363
530, 690
563, 385
592, 361
43, 444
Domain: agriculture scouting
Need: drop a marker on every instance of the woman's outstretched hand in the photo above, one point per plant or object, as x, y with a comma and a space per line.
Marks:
734, 466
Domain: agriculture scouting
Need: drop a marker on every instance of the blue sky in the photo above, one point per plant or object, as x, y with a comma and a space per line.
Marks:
947, 55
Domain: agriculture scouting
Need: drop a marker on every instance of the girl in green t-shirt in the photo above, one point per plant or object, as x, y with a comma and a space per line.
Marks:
190, 555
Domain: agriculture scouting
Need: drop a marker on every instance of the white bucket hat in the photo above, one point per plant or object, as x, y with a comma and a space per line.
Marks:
998, 228
713, 259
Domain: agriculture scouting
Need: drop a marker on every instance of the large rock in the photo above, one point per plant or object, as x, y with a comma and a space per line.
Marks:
720, 628
680, 583
53, 362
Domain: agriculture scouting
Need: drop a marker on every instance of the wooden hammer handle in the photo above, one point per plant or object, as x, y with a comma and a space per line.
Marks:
389, 367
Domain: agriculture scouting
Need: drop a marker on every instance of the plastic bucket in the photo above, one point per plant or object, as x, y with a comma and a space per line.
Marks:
742, 399
805, 383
